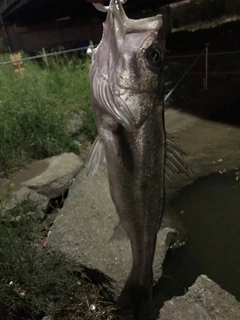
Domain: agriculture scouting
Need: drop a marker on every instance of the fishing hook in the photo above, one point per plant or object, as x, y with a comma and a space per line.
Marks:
103, 8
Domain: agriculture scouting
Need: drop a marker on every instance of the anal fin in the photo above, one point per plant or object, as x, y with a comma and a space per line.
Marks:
118, 233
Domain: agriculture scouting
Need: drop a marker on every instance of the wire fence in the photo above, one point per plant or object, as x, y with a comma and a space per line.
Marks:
44, 55
208, 67
189, 65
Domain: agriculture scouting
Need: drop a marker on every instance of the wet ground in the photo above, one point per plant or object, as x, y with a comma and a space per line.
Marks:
28, 172
209, 209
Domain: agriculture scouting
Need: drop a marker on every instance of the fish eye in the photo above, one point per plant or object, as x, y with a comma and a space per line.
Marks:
154, 57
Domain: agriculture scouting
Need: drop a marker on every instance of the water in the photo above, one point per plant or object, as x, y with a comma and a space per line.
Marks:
30, 171
210, 211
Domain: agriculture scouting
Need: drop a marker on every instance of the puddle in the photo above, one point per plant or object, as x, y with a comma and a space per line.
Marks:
209, 209
32, 170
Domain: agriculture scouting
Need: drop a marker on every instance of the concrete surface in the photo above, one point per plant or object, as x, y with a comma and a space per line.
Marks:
85, 225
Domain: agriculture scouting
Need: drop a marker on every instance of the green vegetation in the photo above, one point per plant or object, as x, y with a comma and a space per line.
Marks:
35, 107
35, 281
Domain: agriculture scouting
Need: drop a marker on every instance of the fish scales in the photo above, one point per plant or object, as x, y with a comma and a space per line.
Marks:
127, 102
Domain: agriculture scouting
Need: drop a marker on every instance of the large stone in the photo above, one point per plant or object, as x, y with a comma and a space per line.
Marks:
57, 177
38, 203
83, 230
205, 300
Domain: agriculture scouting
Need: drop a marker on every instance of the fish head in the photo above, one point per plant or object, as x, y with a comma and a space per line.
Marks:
137, 81
127, 67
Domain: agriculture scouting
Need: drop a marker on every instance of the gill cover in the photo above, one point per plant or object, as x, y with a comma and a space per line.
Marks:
121, 82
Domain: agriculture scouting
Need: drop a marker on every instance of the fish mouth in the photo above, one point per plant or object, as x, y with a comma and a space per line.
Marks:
105, 58
132, 25
103, 8
122, 26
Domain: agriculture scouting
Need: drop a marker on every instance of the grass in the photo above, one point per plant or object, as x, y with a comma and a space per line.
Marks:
35, 281
35, 107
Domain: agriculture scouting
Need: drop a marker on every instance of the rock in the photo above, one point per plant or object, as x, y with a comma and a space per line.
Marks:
57, 177
83, 229
205, 300
35, 202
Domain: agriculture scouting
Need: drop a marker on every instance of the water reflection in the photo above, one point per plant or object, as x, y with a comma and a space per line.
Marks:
210, 212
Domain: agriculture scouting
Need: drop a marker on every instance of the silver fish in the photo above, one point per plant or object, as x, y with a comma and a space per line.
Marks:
127, 101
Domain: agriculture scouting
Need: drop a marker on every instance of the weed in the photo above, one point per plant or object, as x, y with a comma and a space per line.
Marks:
35, 107
89, 127
36, 281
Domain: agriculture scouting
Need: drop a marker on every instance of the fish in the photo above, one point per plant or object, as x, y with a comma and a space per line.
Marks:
127, 88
